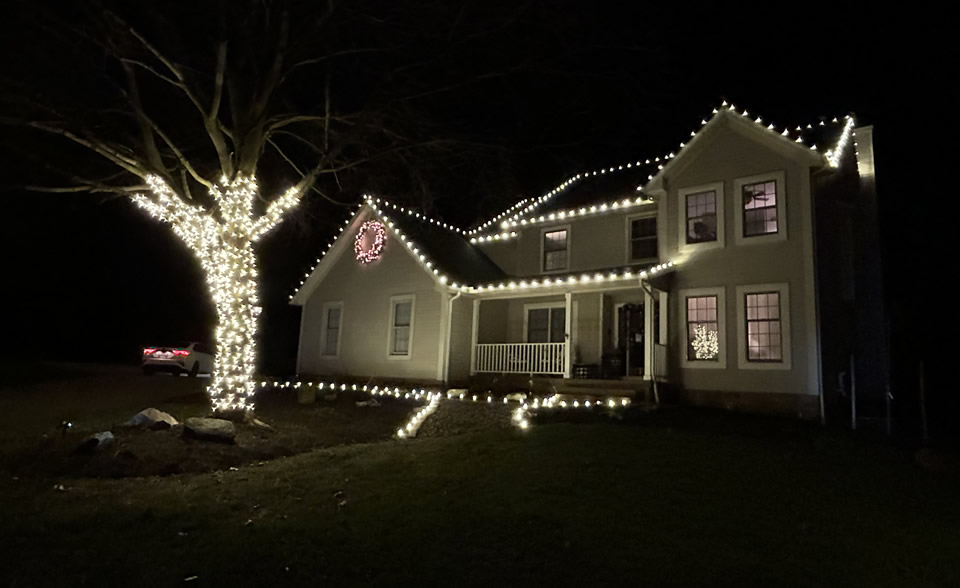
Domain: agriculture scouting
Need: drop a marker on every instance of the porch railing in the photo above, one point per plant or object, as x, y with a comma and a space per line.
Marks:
660, 360
521, 358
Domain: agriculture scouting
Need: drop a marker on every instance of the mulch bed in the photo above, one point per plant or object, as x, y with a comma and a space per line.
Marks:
455, 417
137, 452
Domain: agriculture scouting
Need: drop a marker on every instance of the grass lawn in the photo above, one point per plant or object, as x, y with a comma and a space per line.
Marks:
673, 499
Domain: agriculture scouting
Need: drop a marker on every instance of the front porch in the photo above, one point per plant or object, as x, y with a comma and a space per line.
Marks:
605, 334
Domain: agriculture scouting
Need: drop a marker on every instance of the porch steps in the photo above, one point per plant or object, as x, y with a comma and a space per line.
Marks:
636, 388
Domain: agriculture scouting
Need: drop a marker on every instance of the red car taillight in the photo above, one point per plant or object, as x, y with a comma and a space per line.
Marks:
181, 352
149, 350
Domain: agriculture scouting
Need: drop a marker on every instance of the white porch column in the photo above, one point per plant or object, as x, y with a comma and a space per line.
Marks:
568, 337
648, 327
664, 334
473, 337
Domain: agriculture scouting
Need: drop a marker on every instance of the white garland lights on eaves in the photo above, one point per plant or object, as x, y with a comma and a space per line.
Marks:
563, 215
523, 284
584, 278
522, 217
497, 217
518, 217
416, 214
834, 155
224, 245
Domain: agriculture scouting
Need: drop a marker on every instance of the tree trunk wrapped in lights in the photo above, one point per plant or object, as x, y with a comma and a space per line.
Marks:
222, 239
172, 99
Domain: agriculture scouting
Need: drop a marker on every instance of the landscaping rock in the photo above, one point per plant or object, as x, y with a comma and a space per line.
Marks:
96, 442
153, 419
371, 402
517, 396
210, 429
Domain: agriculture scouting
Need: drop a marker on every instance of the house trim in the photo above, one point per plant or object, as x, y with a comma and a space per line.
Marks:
323, 329
740, 124
330, 258
781, 235
682, 246
413, 321
719, 292
783, 289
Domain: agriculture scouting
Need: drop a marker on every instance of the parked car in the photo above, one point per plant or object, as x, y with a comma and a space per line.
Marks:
190, 359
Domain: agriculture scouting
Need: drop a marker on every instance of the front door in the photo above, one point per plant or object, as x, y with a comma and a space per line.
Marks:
630, 338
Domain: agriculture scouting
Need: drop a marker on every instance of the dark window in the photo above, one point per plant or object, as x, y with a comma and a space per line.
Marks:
702, 217
332, 333
402, 317
760, 208
546, 325
555, 250
643, 238
764, 341
703, 328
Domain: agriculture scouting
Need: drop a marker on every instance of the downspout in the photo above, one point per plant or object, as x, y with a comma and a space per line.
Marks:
653, 371
816, 295
446, 348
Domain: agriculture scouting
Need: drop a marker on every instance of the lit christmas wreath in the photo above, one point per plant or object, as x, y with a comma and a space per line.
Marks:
379, 238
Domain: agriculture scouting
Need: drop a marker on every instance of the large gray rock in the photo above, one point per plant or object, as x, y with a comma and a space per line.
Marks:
210, 429
152, 418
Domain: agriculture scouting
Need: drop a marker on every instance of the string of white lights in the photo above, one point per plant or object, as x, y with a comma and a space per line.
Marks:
659, 162
224, 246
410, 212
563, 215
522, 219
585, 278
490, 221
834, 155
413, 425
521, 416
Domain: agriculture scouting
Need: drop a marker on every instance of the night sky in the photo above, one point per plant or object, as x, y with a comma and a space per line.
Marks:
90, 278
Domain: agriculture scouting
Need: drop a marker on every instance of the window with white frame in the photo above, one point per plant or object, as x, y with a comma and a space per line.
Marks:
703, 328
643, 238
401, 326
759, 201
332, 317
701, 217
546, 325
763, 329
700, 213
555, 250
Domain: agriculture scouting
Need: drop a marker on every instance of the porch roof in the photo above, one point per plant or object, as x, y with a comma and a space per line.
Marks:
610, 279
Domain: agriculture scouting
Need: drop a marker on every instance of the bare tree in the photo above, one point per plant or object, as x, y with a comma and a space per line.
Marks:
182, 119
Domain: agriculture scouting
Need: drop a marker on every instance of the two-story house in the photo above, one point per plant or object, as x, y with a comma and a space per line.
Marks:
694, 271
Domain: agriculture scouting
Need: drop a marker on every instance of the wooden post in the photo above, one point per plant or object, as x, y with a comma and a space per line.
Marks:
568, 335
473, 336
